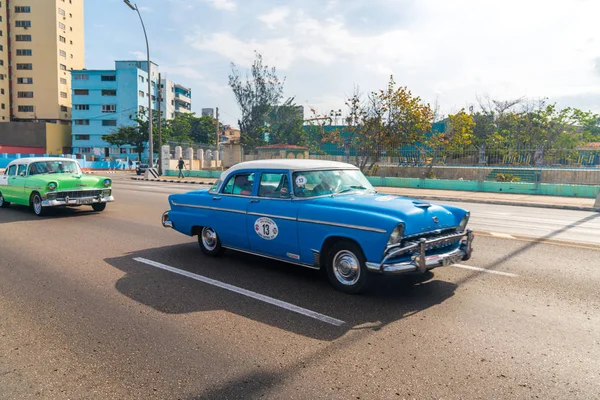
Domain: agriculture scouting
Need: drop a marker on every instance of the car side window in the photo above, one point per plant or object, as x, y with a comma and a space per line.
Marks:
274, 185
22, 170
12, 170
240, 184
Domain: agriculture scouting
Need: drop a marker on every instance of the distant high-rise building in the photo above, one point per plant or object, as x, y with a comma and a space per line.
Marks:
41, 41
208, 112
176, 99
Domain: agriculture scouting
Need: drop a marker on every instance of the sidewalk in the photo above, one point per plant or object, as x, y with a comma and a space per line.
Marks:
556, 202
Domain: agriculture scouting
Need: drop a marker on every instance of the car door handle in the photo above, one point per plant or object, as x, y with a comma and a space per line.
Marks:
216, 198
254, 201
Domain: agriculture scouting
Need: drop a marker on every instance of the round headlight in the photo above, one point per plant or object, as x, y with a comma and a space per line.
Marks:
52, 186
464, 221
396, 235
106, 182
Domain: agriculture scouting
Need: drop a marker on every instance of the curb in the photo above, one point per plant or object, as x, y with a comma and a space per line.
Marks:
437, 198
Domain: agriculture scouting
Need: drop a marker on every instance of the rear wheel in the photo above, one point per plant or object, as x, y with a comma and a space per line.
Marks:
3, 204
98, 206
36, 205
209, 241
346, 267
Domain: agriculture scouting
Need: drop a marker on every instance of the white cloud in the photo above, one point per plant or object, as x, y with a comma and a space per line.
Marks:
139, 55
145, 9
275, 17
227, 5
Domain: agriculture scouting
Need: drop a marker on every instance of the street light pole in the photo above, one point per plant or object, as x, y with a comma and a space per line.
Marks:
134, 7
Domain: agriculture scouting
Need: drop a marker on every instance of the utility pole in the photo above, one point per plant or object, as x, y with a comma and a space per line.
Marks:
159, 94
217, 128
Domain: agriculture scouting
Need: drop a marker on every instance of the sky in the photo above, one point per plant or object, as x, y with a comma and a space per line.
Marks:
449, 52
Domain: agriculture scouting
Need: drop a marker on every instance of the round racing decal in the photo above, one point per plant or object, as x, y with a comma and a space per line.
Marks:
266, 228
300, 180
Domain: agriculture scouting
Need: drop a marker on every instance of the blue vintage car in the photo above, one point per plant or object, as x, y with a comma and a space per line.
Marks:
320, 214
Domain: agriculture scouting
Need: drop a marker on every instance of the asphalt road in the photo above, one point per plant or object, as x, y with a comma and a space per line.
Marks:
86, 314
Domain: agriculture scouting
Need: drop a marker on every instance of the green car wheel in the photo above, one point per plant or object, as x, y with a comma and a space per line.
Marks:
36, 205
3, 204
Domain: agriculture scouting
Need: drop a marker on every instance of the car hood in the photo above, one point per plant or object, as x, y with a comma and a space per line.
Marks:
418, 215
74, 182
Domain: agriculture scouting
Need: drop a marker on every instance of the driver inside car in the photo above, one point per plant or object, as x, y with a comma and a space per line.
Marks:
326, 185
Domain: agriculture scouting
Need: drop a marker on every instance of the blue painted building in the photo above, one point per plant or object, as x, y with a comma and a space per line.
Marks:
104, 100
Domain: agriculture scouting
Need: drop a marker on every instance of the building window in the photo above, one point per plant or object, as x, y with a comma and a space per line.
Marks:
2, 91
25, 108
109, 122
1, 62
141, 94
109, 108
3, 106
62, 53
81, 92
85, 150
23, 24
63, 67
22, 9
25, 81
23, 52
108, 78
63, 81
81, 121
141, 79
1, 48
61, 12
82, 137
109, 92
23, 38
25, 95
64, 108
0, 33
62, 26
63, 95
141, 109
81, 77
25, 66
82, 107
62, 39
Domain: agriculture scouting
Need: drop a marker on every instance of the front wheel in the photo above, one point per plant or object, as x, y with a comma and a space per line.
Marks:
209, 241
36, 205
346, 267
98, 206
3, 204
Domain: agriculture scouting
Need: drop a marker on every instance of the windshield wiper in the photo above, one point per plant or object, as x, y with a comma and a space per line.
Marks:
350, 188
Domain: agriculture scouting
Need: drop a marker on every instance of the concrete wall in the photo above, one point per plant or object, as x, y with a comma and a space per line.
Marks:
58, 137
28, 134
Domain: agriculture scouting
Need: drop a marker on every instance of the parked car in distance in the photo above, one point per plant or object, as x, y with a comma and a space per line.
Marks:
42, 182
141, 168
321, 214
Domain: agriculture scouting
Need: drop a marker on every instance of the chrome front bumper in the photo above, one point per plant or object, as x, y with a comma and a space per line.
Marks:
420, 262
165, 220
77, 201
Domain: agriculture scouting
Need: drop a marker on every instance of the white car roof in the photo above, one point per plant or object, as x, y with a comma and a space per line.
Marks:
288, 164
29, 160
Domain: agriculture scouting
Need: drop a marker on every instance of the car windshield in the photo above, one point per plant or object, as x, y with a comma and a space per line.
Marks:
326, 182
54, 167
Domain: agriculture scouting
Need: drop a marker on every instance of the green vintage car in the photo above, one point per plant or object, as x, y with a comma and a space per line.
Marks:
44, 182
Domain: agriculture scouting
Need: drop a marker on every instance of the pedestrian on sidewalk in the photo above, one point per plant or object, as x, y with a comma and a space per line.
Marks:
181, 165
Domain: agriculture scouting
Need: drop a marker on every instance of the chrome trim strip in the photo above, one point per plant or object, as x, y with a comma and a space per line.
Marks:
272, 216
362, 228
208, 208
272, 258
54, 203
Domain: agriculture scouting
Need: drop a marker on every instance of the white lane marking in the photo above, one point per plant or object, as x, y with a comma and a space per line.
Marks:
254, 295
502, 235
489, 271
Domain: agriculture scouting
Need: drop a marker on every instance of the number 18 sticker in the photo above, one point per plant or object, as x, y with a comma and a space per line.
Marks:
266, 228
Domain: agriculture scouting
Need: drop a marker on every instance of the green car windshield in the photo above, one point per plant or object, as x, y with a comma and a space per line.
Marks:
326, 182
54, 167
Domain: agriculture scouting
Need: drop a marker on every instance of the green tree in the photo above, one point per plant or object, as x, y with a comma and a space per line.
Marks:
203, 129
255, 95
128, 135
285, 124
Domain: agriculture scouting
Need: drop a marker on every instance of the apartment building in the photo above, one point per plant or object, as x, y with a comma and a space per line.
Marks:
41, 41
104, 100
176, 99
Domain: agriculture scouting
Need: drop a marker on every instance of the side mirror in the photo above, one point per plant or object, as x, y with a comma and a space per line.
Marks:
22, 173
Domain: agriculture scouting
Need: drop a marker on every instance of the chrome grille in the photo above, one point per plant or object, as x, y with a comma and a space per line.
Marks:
432, 241
78, 194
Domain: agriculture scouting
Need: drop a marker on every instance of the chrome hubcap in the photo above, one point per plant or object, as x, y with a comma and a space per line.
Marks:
346, 267
209, 238
37, 204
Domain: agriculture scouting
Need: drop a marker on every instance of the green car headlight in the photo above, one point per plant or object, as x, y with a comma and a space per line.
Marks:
396, 235
464, 222
106, 193
52, 186
107, 182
